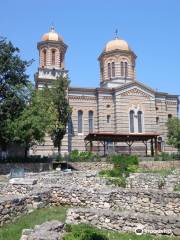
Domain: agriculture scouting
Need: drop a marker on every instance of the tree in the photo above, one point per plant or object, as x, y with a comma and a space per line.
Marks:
33, 123
173, 125
13, 88
61, 109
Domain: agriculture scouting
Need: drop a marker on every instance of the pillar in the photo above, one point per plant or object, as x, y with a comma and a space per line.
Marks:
152, 148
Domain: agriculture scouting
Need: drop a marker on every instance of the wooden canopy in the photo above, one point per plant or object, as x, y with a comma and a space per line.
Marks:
128, 138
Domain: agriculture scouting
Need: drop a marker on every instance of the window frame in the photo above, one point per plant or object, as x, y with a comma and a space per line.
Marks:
131, 121
78, 126
91, 121
113, 69
53, 57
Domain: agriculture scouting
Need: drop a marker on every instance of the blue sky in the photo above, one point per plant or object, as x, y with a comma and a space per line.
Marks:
152, 29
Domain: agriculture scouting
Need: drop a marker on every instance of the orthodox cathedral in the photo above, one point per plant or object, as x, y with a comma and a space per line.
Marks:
121, 115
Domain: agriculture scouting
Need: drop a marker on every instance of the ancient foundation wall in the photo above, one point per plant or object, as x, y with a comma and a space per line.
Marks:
5, 168
125, 221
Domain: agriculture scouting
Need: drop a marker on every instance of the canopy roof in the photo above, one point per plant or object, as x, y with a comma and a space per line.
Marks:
120, 137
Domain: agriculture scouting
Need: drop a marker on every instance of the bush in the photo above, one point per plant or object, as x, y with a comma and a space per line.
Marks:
123, 165
124, 160
177, 187
167, 157
83, 232
119, 182
76, 156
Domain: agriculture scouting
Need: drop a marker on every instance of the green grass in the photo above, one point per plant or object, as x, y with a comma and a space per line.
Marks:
13, 231
77, 232
177, 187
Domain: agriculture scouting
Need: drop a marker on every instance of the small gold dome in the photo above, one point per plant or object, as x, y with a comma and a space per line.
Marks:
52, 36
116, 44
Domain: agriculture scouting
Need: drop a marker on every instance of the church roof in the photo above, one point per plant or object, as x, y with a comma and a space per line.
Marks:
117, 44
52, 35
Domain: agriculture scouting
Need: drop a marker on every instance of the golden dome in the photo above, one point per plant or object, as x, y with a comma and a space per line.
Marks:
116, 44
52, 36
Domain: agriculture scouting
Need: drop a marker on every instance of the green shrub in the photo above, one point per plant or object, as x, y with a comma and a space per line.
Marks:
177, 187
119, 182
165, 156
83, 232
157, 158
123, 165
76, 156
132, 168
122, 160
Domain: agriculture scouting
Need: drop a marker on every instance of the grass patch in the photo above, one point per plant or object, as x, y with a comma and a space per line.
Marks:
177, 188
86, 232
13, 231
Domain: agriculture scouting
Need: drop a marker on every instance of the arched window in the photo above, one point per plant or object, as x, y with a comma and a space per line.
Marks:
109, 70
139, 121
108, 118
80, 121
60, 59
126, 69
70, 124
169, 116
53, 57
157, 120
44, 57
90, 121
122, 69
113, 69
131, 120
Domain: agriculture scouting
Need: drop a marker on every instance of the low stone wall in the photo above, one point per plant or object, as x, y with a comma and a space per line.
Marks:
12, 207
154, 202
92, 166
125, 221
152, 181
5, 168
159, 165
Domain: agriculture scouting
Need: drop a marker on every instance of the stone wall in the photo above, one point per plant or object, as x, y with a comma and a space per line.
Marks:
85, 189
125, 221
152, 181
12, 206
154, 202
93, 166
5, 168
159, 165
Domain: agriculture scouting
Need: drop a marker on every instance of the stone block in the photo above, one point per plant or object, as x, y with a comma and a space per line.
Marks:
22, 181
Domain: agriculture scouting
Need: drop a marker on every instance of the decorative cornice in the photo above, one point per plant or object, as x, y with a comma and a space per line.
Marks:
108, 98
135, 92
84, 98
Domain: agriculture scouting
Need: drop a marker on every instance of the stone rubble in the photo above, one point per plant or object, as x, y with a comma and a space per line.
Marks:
52, 230
86, 189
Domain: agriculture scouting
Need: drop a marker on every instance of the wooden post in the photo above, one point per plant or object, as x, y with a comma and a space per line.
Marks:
91, 146
104, 148
156, 146
152, 148
146, 148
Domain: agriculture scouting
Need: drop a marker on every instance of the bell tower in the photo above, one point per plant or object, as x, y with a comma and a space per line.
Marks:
52, 50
